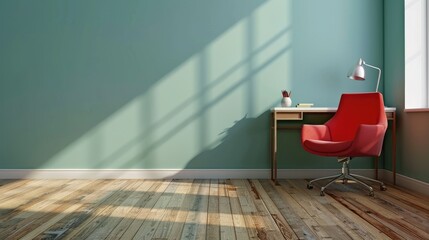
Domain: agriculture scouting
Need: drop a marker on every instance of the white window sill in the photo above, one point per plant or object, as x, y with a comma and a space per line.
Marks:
411, 110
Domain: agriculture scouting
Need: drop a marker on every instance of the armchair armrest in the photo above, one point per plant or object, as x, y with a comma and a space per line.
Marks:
369, 139
315, 132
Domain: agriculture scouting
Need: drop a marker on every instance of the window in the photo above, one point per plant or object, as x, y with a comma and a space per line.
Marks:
416, 54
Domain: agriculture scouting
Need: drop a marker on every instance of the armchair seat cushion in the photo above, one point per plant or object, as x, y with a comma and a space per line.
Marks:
323, 146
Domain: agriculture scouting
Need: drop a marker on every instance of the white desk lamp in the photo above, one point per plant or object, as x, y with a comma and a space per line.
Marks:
358, 72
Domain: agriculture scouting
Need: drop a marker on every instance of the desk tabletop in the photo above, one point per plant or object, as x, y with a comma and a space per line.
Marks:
317, 109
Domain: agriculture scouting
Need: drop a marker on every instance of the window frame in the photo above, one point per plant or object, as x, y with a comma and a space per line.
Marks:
416, 101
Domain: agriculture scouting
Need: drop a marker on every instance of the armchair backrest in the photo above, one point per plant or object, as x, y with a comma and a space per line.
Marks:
355, 109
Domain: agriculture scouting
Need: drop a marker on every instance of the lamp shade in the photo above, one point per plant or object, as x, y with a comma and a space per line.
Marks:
358, 72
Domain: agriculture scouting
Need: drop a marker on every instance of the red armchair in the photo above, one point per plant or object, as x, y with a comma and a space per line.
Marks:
357, 129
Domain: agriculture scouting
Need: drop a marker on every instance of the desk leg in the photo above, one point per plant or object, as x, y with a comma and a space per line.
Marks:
394, 148
275, 168
272, 145
274, 149
376, 167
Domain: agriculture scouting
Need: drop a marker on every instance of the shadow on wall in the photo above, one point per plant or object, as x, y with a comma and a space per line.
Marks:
242, 152
72, 65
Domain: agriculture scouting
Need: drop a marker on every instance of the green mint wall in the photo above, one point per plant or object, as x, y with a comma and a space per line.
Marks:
173, 84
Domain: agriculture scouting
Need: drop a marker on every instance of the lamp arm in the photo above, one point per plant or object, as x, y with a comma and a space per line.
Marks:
379, 74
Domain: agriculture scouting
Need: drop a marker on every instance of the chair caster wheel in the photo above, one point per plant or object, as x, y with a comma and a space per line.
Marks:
371, 194
309, 186
383, 188
322, 193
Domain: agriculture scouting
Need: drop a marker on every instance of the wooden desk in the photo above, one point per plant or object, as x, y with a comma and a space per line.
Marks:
293, 113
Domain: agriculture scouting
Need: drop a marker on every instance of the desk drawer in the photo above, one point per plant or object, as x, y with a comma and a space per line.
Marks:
289, 115
390, 115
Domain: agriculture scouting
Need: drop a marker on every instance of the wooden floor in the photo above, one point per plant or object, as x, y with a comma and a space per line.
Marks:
206, 209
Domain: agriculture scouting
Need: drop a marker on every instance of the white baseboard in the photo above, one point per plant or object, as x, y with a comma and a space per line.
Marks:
384, 175
86, 173
132, 173
168, 173
406, 182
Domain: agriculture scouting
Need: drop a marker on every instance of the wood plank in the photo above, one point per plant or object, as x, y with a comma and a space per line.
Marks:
100, 217
53, 209
156, 214
345, 197
408, 211
144, 196
340, 213
87, 204
247, 207
8, 186
180, 221
204, 192
343, 226
407, 220
213, 221
165, 227
264, 223
119, 212
27, 209
280, 221
279, 196
416, 201
29, 195
142, 213
307, 213
43, 227
196, 220
237, 214
94, 214
383, 213
226, 222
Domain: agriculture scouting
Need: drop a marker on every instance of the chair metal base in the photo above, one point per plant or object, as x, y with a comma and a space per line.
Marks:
346, 175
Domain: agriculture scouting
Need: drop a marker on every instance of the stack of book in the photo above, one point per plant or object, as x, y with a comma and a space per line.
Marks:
304, 105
